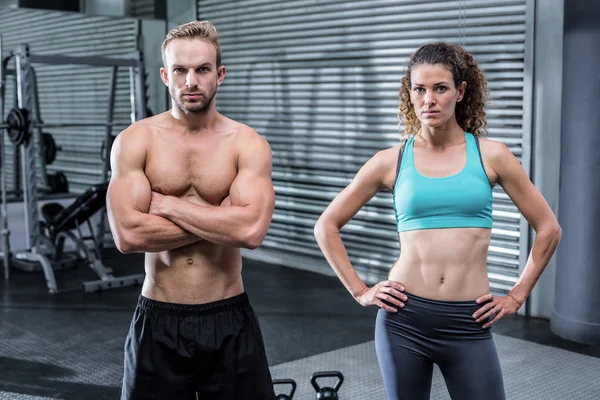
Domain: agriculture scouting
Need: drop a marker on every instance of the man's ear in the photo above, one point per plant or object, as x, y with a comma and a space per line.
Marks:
164, 76
221, 72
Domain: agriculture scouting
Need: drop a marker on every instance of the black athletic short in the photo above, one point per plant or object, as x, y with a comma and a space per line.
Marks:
215, 350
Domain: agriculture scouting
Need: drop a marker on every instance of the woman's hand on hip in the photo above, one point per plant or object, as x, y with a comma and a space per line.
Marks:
498, 306
383, 295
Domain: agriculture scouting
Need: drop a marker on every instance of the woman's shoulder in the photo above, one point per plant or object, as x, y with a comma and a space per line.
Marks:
382, 166
389, 155
493, 150
383, 161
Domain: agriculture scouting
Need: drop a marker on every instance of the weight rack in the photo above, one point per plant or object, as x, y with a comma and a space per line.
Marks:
27, 107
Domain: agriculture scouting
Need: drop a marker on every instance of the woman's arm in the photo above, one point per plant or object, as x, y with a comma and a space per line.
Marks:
377, 174
534, 208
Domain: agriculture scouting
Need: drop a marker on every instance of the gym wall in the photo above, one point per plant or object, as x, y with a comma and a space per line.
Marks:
144, 9
320, 83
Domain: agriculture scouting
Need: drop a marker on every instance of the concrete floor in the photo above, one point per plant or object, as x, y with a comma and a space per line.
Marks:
49, 339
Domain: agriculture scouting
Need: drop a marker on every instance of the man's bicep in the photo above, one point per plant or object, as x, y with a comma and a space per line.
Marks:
129, 188
129, 192
253, 185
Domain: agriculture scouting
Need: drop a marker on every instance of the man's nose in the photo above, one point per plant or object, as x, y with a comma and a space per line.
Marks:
191, 79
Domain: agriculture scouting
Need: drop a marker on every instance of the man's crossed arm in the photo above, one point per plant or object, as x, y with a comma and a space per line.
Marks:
245, 221
145, 221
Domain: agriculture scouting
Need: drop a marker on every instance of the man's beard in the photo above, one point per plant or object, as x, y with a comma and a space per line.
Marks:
198, 107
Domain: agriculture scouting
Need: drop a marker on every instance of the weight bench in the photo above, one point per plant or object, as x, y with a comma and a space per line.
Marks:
60, 222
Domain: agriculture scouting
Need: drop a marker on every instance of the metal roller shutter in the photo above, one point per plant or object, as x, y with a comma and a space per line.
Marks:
320, 82
70, 93
142, 8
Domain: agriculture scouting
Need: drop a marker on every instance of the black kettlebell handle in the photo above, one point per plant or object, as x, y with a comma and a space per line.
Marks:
286, 382
327, 374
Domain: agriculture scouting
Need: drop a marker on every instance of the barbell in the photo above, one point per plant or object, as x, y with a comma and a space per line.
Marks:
17, 125
18, 132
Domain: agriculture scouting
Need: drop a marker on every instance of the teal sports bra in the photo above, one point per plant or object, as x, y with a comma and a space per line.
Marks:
462, 200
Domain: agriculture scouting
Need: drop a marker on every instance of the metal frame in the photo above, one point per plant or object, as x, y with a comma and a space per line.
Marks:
16, 184
137, 98
111, 111
90, 60
38, 246
38, 129
132, 91
3, 209
140, 87
107, 141
33, 251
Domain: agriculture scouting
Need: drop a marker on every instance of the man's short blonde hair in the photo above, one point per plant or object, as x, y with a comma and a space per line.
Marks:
203, 30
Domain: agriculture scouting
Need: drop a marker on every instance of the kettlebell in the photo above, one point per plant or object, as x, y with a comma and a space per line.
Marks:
327, 393
285, 382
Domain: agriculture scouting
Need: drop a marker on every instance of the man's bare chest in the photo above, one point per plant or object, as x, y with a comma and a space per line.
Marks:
191, 169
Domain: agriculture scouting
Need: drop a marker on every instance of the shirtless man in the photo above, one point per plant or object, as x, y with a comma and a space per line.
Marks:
189, 188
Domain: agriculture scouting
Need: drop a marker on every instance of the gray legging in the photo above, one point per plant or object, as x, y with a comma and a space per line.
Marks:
425, 332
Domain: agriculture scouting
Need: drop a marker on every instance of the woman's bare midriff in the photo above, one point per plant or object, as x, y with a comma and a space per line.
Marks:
443, 264
199, 273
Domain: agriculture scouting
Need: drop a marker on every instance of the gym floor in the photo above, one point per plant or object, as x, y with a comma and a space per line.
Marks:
70, 345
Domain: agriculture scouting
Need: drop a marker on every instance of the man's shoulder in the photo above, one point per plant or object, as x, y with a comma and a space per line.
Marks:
246, 135
135, 137
134, 129
250, 145
239, 128
138, 131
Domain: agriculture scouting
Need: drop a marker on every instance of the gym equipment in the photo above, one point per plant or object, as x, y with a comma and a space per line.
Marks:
327, 393
44, 240
106, 147
3, 209
59, 222
58, 182
50, 148
285, 382
17, 126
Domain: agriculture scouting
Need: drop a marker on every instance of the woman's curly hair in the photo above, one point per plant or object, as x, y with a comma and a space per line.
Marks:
470, 113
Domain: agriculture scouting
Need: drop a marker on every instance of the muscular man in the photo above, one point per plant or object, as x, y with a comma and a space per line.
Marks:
189, 188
